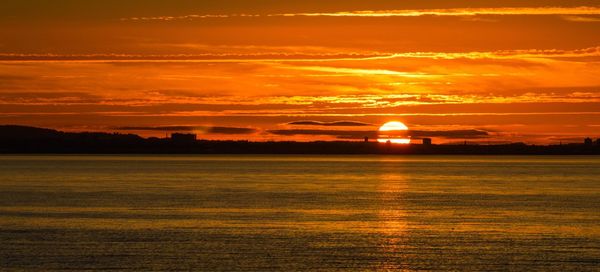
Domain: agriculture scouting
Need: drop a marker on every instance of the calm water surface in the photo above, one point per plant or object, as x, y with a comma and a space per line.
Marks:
286, 213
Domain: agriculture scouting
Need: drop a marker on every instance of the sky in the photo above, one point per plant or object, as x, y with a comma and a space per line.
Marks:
482, 71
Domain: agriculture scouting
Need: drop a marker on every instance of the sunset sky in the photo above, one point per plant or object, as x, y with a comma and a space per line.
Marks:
488, 71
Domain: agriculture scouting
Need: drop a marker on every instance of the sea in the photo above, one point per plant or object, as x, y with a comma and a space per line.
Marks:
299, 213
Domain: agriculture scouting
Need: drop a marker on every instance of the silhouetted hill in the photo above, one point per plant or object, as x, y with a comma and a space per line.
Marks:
13, 132
23, 139
8, 132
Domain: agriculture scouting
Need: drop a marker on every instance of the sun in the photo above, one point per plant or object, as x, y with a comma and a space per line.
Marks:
393, 132
393, 126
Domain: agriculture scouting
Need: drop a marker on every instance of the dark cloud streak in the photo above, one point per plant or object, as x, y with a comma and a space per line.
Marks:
330, 124
203, 129
231, 130
358, 134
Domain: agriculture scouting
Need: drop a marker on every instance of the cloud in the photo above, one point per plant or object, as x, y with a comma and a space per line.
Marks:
232, 57
456, 12
450, 134
201, 129
164, 128
330, 124
231, 130
62, 98
346, 134
359, 134
293, 57
581, 19
362, 72
187, 17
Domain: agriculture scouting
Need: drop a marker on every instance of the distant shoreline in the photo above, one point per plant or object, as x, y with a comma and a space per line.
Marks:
31, 140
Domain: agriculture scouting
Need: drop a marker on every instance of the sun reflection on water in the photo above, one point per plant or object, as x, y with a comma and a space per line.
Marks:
392, 217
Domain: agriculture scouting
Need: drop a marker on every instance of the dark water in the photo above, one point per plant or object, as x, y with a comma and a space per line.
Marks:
286, 213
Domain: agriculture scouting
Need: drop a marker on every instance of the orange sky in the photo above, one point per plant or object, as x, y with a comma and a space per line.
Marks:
491, 71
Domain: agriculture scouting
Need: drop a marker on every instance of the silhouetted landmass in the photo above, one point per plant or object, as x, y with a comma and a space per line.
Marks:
22, 139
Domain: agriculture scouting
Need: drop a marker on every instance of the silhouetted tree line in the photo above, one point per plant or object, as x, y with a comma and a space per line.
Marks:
22, 139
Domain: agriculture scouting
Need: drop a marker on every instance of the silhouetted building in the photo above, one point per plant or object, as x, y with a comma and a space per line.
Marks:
598, 142
183, 137
588, 142
426, 141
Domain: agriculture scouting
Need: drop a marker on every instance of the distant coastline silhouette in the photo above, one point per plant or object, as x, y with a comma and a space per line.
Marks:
16, 139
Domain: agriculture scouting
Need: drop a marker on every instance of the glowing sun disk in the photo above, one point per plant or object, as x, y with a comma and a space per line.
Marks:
393, 132
393, 126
